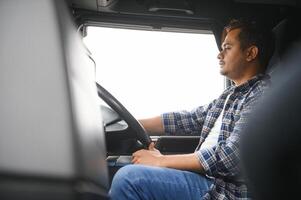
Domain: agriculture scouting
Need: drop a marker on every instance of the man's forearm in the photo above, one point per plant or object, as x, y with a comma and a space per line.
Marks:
188, 162
153, 157
153, 126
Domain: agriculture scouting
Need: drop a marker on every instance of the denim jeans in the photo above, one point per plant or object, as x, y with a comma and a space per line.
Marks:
145, 182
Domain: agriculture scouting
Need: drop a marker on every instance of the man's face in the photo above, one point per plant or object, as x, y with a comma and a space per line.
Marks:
232, 58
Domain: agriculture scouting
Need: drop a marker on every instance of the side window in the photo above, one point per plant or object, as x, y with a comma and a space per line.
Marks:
152, 72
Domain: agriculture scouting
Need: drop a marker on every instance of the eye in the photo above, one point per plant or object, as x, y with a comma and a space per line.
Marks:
227, 47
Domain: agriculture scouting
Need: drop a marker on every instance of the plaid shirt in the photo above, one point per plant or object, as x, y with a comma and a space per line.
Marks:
220, 161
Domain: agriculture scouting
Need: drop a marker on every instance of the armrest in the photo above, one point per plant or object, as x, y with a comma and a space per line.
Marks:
177, 144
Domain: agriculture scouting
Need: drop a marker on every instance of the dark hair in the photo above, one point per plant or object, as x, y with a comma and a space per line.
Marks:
252, 33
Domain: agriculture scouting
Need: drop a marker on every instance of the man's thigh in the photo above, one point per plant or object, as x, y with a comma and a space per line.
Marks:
146, 182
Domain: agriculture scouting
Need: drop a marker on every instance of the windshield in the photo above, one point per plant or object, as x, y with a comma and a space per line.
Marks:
152, 72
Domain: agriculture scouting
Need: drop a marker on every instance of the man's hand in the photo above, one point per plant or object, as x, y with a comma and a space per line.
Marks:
152, 156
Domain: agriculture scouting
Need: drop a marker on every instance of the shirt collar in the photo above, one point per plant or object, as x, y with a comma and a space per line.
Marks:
248, 84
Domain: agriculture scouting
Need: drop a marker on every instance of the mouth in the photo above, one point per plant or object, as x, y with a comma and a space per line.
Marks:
221, 63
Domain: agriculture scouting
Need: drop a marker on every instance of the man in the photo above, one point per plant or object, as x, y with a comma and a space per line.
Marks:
212, 171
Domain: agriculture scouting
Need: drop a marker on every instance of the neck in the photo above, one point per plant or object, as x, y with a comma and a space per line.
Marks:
252, 70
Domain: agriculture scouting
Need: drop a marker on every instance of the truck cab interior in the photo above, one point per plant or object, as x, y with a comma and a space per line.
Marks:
57, 142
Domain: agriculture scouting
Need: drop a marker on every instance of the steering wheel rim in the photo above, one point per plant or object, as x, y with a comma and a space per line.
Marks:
141, 134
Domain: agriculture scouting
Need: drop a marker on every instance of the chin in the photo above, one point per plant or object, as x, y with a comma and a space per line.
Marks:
222, 72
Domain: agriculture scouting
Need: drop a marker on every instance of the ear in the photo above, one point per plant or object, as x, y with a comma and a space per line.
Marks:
251, 53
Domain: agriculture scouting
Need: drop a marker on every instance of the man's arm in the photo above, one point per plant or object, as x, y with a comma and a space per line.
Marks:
188, 162
153, 157
171, 123
153, 126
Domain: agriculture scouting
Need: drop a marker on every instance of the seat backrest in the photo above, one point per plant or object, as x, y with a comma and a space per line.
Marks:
52, 142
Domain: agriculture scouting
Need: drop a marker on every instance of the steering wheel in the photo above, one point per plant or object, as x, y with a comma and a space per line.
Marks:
141, 134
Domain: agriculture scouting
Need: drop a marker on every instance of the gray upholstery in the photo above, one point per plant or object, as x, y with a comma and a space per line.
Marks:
51, 131
278, 32
286, 33
273, 167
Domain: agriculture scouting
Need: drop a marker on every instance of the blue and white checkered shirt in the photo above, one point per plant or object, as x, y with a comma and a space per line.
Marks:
222, 160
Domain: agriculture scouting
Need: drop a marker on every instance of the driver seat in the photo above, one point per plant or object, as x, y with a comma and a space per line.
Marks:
273, 168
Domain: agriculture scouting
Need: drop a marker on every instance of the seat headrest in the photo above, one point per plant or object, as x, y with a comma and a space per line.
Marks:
286, 33
279, 32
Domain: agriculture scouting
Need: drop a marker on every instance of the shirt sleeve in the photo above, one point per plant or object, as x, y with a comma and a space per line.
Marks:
185, 122
223, 159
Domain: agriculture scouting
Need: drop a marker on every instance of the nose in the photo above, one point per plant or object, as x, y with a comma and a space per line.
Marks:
220, 55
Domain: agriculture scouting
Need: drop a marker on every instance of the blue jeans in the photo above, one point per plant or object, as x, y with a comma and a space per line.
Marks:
145, 182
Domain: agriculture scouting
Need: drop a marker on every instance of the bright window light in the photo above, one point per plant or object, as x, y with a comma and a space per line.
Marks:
152, 72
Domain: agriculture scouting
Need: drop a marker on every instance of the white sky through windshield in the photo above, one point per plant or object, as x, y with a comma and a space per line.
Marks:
151, 72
